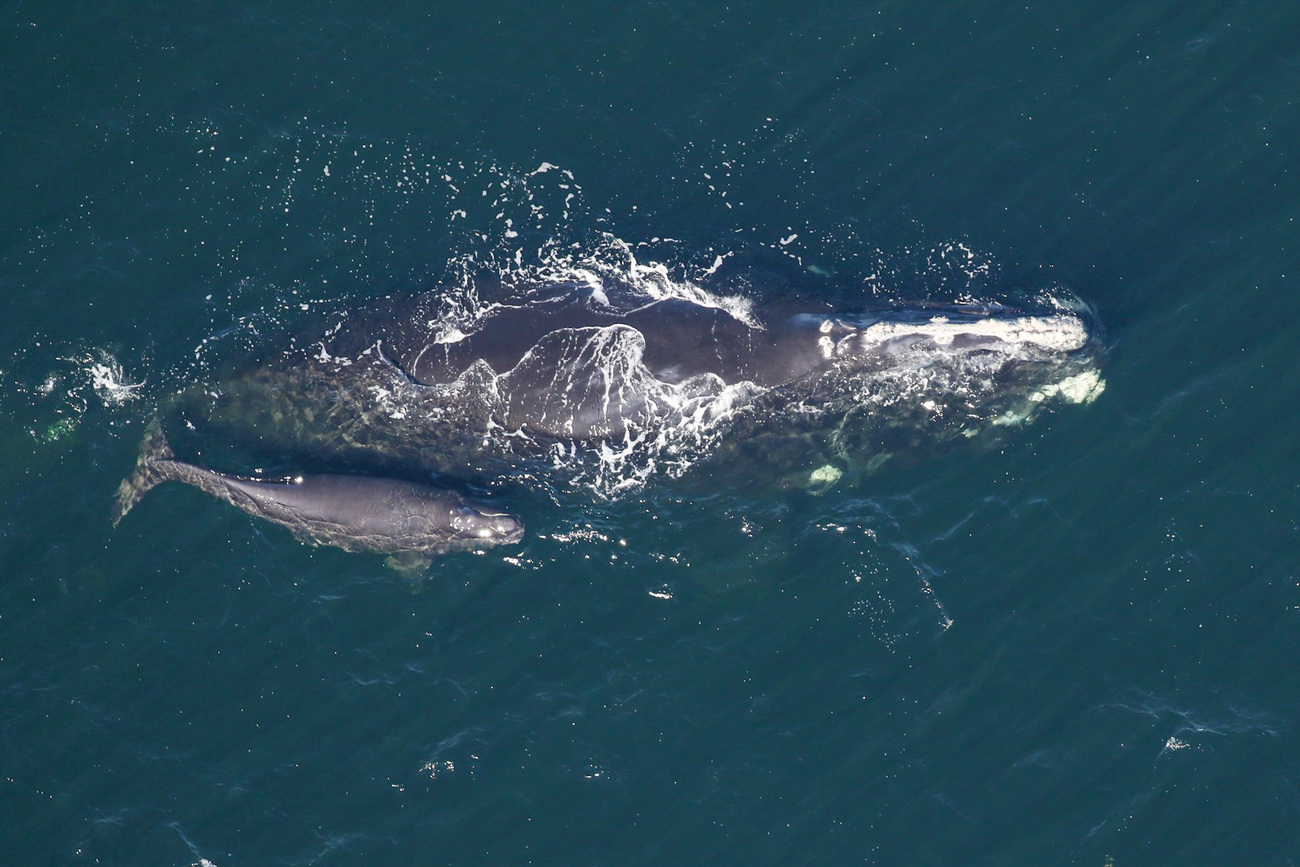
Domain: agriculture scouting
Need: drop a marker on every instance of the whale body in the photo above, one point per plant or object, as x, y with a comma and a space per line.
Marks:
614, 393
408, 521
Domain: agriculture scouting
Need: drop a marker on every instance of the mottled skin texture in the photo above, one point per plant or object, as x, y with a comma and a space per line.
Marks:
676, 380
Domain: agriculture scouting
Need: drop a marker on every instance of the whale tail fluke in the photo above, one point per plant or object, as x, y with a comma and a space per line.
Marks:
150, 469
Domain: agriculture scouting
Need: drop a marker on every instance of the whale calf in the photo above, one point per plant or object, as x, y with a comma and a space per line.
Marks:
410, 522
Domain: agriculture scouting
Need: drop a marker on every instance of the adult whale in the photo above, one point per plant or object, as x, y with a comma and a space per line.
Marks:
608, 387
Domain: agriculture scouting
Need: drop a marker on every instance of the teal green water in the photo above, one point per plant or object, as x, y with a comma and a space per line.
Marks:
1079, 648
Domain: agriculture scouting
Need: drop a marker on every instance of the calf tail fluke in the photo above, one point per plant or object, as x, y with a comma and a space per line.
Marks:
150, 469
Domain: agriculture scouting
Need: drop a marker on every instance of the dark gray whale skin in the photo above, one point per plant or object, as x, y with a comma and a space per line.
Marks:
412, 522
555, 377
681, 340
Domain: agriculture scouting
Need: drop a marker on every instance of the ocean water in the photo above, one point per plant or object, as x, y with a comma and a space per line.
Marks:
1077, 647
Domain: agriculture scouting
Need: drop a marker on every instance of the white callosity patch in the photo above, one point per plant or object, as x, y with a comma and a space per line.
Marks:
1081, 388
827, 474
1014, 335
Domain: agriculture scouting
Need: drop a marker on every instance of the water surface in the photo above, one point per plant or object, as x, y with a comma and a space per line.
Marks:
1073, 648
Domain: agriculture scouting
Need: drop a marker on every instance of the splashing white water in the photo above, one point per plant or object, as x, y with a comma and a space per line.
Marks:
109, 382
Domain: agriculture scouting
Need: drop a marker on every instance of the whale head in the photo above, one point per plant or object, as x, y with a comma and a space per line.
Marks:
482, 524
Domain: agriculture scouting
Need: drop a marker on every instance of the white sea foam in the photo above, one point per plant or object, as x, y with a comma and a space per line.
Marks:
93, 375
109, 382
614, 263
